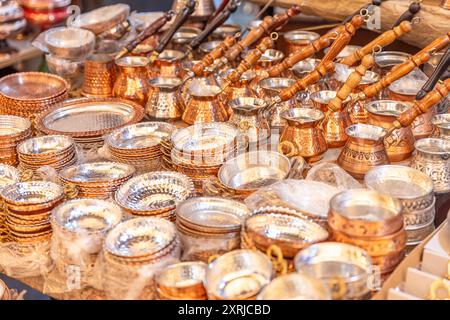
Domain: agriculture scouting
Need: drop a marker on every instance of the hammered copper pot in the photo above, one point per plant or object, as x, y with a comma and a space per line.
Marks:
168, 64
132, 79
297, 39
382, 113
303, 136
99, 75
164, 98
239, 89
204, 105
364, 150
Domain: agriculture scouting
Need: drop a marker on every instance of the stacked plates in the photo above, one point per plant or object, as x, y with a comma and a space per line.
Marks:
210, 226
139, 144
154, 194
83, 223
414, 189
86, 120
98, 179
13, 130
27, 94
54, 151
28, 206
133, 251
200, 150
8, 176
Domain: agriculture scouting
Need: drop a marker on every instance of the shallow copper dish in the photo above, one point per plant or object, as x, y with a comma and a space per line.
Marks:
103, 18
69, 43
98, 173
154, 192
32, 86
140, 237
88, 117
239, 274
295, 286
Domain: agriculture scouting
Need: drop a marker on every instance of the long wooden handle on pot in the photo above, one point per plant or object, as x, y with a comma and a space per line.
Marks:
266, 27
382, 40
352, 82
420, 107
403, 69
218, 52
250, 60
314, 76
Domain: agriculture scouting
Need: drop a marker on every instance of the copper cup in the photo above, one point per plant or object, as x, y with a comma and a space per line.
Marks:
168, 64
131, 82
99, 76
442, 123
297, 39
164, 98
400, 144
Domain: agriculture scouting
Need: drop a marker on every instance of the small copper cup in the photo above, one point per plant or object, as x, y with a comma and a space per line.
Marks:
99, 76
297, 39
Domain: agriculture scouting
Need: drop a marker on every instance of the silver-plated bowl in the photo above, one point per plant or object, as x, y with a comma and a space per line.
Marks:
8, 175
86, 216
140, 237
70, 43
96, 172
303, 115
103, 18
45, 145
295, 286
32, 193
272, 86
348, 50
442, 122
342, 72
139, 136
254, 170
345, 268
154, 191
64, 67
413, 188
135, 61
213, 213
11, 126
238, 275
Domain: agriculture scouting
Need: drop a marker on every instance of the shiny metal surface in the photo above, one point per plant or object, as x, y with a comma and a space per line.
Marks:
442, 122
342, 72
96, 172
45, 145
11, 126
304, 67
69, 43
8, 175
348, 50
32, 192
164, 100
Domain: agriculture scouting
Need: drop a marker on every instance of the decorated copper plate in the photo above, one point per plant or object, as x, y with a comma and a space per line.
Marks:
140, 237
87, 215
89, 117
102, 19
141, 135
97, 172
154, 191
27, 86
213, 213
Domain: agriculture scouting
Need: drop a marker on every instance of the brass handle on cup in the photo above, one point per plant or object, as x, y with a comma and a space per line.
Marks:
436, 285
291, 148
276, 255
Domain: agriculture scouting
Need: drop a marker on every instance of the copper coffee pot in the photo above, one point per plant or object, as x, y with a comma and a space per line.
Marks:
365, 148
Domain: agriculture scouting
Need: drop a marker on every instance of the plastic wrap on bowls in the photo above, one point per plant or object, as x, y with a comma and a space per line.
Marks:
332, 174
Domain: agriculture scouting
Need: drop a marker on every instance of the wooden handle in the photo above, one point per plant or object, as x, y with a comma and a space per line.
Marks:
314, 76
439, 71
352, 82
383, 40
420, 107
250, 59
402, 69
208, 59
344, 38
409, 14
267, 26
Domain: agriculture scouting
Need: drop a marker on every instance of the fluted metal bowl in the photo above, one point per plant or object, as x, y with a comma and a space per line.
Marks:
96, 172
295, 286
239, 274
32, 192
45, 145
13, 125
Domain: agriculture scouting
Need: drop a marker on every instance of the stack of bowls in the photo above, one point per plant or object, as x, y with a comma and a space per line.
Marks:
55, 151
139, 144
98, 179
414, 189
344, 268
154, 194
13, 130
28, 206
182, 281
200, 150
27, 94
79, 229
8, 176
290, 233
371, 221
238, 275
133, 251
210, 226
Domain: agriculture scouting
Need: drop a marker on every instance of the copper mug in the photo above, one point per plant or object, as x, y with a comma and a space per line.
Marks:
400, 144
99, 76
248, 117
204, 105
131, 82
168, 64
303, 136
433, 158
296, 39
164, 98
336, 122
364, 149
